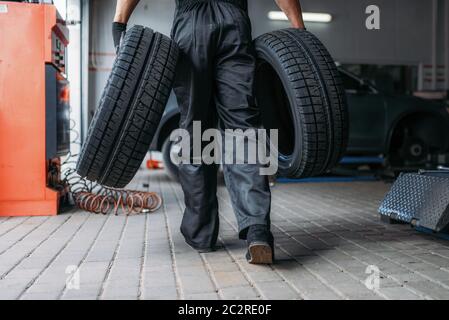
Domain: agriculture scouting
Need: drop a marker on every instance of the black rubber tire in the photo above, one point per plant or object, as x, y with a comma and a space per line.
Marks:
299, 92
130, 109
171, 168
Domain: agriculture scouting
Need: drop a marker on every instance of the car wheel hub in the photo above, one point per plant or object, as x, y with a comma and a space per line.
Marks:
416, 150
175, 151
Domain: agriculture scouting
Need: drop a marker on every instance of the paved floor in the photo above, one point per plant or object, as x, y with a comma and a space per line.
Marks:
330, 245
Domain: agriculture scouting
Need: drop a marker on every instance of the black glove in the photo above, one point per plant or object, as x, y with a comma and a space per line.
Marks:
118, 31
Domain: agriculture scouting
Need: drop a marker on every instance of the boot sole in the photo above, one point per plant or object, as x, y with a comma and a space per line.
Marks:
260, 253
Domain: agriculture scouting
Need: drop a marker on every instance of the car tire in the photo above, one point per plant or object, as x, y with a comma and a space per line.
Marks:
300, 93
130, 109
416, 140
171, 168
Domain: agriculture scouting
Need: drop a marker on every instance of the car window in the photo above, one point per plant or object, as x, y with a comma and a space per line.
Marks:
349, 83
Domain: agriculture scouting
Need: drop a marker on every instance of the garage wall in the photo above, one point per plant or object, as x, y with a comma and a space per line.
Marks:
405, 37
70, 11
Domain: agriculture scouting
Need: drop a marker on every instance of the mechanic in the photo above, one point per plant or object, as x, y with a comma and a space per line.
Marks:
214, 85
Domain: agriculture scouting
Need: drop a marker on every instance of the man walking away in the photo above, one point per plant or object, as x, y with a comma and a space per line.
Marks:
214, 85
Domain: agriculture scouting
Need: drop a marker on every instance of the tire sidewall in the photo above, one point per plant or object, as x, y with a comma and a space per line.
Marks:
171, 168
287, 165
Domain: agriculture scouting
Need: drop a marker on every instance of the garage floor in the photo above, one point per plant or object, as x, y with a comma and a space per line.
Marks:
327, 236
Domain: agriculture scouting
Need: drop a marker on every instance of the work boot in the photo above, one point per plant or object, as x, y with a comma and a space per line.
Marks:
260, 245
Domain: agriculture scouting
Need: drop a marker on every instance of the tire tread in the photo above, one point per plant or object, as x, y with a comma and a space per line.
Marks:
130, 108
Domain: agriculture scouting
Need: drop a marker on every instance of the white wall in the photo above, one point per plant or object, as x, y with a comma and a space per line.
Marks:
61, 5
70, 10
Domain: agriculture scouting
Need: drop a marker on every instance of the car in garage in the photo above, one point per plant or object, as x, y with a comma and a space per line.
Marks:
404, 129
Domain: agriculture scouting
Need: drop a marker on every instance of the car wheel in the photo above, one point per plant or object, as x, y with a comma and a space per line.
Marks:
300, 93
415, 138
130, 109
413, 151
169, 150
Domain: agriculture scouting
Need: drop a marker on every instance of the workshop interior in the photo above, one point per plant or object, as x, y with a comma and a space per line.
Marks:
89, 180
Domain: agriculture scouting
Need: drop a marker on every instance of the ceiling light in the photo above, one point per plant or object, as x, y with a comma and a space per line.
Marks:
307, 16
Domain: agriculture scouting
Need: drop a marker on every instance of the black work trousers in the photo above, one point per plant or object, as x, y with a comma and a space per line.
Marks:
214, 85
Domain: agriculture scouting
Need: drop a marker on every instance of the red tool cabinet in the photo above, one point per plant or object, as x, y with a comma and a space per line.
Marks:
34, 117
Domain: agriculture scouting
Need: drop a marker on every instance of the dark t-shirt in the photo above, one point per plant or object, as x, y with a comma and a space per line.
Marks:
241, 3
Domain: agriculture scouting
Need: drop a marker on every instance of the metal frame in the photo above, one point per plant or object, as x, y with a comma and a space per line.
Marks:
420, 199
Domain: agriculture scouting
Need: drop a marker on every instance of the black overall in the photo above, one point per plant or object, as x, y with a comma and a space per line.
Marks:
214, 85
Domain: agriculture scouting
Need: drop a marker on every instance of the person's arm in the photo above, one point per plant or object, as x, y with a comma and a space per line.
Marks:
292, 9
123, 11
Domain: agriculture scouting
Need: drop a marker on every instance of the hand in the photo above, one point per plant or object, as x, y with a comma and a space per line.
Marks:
299, 26
298, 22
293, 10
118, 32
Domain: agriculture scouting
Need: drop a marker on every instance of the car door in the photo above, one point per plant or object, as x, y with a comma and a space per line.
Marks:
367, 116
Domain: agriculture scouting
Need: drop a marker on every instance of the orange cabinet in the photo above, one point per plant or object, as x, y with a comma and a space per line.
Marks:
32, 41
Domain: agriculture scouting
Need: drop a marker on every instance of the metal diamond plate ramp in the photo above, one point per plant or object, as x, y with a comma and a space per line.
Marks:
421, 199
